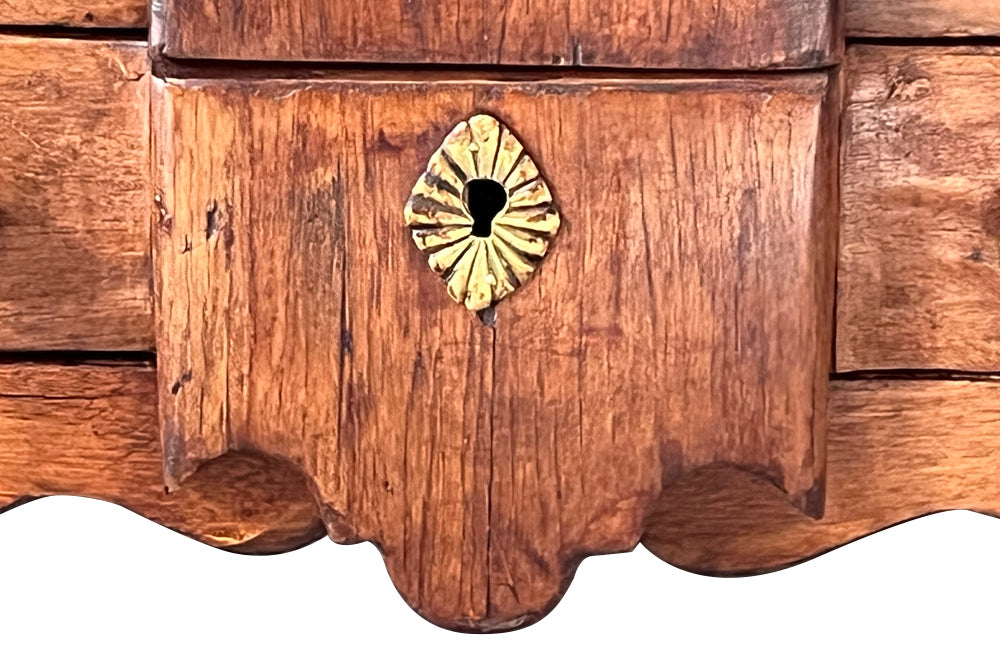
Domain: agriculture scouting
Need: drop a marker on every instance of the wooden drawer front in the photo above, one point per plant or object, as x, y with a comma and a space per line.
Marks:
922, 18
74, 196
919, 279
681, 318
75, 13
702, 34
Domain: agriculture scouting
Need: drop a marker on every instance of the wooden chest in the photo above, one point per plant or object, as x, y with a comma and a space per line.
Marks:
500, 285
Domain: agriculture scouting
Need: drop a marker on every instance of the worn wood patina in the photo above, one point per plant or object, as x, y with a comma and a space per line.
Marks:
498, 286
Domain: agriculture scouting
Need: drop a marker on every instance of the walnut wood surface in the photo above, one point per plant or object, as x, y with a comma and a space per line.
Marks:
297, 317
922, 18
92, 431
75, 13
920, 259
738, 34
896, 450
74, 195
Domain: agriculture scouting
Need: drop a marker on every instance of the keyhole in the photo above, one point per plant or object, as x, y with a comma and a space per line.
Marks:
484, 199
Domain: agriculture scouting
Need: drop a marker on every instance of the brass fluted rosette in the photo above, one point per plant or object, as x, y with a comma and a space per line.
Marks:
483, 213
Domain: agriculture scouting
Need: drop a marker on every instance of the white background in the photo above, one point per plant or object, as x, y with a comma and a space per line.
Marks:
77, 573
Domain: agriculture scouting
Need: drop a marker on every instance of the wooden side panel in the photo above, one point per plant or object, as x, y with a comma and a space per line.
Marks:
74, 195
922, 18
740, 34
920, 241
896, 450
75, 13
672, 321
92, 431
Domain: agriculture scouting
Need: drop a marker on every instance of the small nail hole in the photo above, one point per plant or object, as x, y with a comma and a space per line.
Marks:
488, 316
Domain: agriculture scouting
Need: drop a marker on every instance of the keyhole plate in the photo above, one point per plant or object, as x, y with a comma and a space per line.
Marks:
483, 213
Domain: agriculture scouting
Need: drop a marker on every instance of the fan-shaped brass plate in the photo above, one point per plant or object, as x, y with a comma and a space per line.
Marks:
482, 262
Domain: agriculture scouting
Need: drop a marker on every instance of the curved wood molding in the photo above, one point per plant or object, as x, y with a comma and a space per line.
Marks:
91, 431
897, 450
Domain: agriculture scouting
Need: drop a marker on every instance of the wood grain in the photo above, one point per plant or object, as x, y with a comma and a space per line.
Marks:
91, 430
896, 450
75, 13
648, 344
920, 241
74, 195
922, 18
739, 34
670, 327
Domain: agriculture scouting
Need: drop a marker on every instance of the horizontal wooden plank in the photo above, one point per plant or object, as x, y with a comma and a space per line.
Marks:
922, 18
896, 450
91, 431
919, 275
75, 199
76, 13
739, 34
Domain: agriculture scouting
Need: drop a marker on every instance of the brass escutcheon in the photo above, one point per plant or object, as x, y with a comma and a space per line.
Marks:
483, 213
